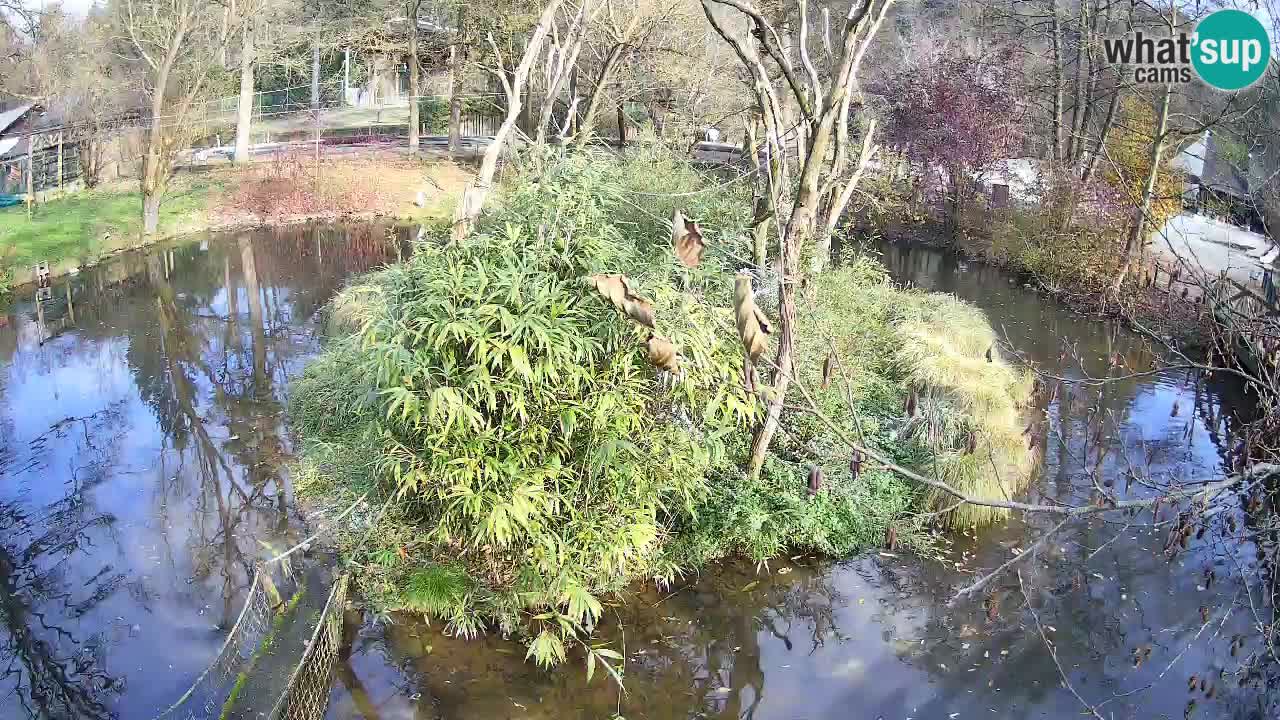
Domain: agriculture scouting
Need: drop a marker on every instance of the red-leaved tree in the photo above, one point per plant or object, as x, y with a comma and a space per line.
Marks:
954, 117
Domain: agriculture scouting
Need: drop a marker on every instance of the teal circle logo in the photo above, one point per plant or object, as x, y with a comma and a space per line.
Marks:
1230, 49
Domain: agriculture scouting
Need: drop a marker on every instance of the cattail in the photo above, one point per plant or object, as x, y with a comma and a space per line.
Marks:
855, 464
815, 480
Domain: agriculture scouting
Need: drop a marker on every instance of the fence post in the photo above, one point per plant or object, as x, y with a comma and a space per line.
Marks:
31, 173
59, 161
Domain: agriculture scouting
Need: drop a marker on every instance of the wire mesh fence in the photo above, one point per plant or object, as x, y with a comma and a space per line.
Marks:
209, 692
307, 695
216, 692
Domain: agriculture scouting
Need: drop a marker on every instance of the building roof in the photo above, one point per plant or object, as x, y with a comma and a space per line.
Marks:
1206, 165
9, 117
13, 144
1219, 174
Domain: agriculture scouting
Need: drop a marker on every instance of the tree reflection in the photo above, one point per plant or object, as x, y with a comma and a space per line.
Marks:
195, 344
56, 671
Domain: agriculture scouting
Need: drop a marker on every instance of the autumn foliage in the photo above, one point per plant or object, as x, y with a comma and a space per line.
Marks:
953, 117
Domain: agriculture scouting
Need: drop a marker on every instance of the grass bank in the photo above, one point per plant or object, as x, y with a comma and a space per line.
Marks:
82, 228
525, 452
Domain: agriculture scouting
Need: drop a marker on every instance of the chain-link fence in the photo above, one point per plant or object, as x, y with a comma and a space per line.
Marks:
307, 695
210, 691
217, 692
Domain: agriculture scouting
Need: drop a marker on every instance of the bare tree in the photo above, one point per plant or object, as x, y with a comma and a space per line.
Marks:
820, 97
415, 71
267, 31
513, 86
178, 45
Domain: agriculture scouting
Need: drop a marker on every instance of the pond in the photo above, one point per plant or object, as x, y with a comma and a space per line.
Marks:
142, 455
142, 441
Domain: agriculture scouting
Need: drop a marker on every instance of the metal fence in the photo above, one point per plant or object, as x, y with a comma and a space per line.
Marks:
210, 691
55, 166
307, 695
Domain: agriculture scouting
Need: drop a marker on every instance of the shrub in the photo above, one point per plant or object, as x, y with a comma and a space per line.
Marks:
529, 457
516, 416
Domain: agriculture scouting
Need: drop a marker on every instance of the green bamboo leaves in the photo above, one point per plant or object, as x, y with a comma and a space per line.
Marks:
753, 326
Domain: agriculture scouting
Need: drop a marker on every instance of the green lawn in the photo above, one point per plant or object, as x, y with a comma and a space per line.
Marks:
87, 225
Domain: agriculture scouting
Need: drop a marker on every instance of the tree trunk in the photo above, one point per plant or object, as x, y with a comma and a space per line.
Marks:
799, 231
455, 88
90, 161
1107, 123
1074, 138
474, 197
414, 75
155, 160
31, 171
1055, 32
659, 116
759, 199
244, 110
842, 200
150, 211
1136, 237
597, 93
315, 72
622, 126
565, 65
571, 121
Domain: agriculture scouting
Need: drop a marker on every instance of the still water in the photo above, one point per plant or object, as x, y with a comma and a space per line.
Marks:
142, 447
142, 440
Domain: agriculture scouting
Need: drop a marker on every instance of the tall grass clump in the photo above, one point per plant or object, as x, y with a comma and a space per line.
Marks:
969, 408
928, 388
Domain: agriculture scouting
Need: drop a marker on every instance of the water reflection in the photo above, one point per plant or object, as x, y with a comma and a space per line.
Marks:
873, 637
141, 446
